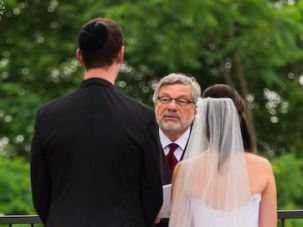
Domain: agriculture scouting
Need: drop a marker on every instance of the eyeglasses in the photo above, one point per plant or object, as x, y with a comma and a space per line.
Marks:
178, 101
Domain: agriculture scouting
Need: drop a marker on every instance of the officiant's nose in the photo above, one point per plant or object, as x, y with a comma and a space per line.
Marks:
172, 106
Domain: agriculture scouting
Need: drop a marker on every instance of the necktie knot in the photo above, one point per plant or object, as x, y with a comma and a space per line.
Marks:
172, 148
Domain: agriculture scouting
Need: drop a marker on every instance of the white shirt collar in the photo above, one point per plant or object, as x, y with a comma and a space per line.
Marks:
181, 141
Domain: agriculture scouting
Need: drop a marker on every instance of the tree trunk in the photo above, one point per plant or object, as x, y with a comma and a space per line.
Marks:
243, 90
226, 74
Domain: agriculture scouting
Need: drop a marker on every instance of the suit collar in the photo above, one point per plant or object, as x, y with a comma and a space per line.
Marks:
96, 80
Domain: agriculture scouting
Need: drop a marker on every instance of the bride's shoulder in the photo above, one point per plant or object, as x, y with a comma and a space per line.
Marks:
190, 161
182, 164
258, 162
187, 162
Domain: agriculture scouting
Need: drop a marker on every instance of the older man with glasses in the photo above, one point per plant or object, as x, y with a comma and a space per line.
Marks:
175, 100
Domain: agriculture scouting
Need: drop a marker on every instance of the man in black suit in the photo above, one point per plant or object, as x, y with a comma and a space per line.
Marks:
175, 100
95, 159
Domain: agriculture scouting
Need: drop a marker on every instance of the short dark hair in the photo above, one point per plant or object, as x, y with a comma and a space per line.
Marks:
99, 41
225, 91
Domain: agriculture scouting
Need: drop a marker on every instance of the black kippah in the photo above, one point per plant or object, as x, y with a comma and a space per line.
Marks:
93, 37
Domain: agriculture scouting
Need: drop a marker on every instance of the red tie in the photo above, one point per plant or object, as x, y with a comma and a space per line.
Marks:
171, 158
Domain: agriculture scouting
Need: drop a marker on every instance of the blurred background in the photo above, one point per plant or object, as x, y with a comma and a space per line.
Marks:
254, 45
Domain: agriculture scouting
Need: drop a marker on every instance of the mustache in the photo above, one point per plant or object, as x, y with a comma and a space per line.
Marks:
170, 114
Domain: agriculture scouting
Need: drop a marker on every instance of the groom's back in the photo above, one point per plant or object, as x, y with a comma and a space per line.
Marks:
94, 144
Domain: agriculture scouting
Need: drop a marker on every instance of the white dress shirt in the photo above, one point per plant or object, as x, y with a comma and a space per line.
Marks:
181, 141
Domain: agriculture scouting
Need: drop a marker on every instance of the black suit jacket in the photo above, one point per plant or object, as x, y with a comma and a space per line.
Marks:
95, 160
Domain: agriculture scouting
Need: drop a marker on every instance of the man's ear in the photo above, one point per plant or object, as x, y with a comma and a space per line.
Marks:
120, 56
79, 57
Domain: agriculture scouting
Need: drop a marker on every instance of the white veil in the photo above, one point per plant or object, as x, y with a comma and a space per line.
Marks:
211, 184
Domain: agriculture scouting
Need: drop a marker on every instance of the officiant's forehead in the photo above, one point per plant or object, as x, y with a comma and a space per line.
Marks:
176, 90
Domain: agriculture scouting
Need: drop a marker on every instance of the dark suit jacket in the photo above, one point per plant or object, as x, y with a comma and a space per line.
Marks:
167, 178
95, 160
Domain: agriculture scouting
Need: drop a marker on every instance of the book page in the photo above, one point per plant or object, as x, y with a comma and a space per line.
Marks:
165, 209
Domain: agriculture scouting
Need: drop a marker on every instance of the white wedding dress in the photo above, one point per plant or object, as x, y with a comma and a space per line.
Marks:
211, 186
244, 216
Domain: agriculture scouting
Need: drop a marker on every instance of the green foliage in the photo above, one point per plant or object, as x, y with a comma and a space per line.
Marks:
201, 38
253, 45
289, 174
2, 8
15, 192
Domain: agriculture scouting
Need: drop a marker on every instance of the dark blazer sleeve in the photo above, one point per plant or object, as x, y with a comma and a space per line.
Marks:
151, 189
40, 181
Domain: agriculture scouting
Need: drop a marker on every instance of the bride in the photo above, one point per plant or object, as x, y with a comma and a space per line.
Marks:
221, 183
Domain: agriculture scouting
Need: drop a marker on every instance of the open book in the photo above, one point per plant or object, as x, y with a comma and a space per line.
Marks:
165, 209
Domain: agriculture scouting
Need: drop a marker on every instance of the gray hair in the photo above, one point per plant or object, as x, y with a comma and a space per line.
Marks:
178, 78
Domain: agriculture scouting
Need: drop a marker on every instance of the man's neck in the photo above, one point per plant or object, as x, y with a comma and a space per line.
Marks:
173, 136
110, 73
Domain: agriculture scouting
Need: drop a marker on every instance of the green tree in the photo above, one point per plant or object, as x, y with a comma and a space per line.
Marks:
253, 45
15, 192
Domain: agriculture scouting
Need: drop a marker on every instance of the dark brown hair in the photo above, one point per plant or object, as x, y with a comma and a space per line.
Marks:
99, 41
225, 91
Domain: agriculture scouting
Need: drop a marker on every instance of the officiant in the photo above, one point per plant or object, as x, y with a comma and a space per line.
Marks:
174, 100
